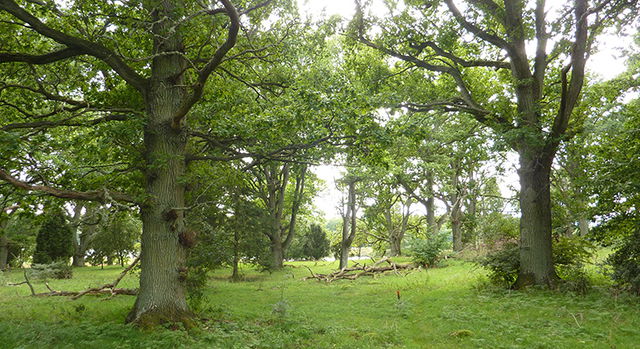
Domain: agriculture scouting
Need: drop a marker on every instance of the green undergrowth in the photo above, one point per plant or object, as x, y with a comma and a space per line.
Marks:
452, 306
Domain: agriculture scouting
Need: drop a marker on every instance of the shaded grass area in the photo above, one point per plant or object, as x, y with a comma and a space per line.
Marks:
447, 307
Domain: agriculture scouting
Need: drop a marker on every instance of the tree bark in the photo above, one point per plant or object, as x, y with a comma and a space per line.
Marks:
471, 211
78, 254
281, 235
235, 275
397, 234
395, 248
536, 258
277, 255
78, 260
456, 208
583, 224
430, 206
87, 234
162, 292
456, 228
348, 234
4, 249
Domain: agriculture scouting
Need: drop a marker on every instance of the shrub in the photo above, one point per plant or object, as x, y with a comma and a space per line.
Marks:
316, 245
569, 254
503, 264
312, 245
427, 252
57, 270
625, 263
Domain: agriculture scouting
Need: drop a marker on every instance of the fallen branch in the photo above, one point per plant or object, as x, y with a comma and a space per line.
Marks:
111, 286
109, 289
26, 279
16, 283
357, 271
75, 295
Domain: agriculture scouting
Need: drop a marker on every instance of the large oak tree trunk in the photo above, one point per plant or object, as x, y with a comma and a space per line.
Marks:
89, 231
162, 293
536, 260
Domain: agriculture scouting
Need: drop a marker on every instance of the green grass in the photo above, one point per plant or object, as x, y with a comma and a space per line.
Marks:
447, 307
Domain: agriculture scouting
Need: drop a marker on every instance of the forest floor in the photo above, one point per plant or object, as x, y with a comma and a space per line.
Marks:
452, 306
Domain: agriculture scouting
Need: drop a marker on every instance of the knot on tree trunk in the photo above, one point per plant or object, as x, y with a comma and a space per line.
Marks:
188, 238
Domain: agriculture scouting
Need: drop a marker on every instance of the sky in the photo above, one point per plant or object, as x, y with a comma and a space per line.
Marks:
607, 63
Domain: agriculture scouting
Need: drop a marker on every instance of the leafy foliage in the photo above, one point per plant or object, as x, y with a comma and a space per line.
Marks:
569, 253
313, 245
427, 252
625, 262
21, 230
116, 239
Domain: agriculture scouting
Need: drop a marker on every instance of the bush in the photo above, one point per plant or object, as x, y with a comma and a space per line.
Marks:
316, 245
625, 263
427, 252
57, 270
503, 264
569, 254
312, 245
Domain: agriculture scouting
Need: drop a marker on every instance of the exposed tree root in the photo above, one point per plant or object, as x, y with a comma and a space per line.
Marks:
357, 271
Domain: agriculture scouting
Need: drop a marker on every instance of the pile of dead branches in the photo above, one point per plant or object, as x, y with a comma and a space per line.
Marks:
109, 289
380, 267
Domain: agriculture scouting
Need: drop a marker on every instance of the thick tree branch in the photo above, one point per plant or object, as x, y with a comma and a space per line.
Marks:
482, 34
466, 102
463, 62
540, 64
65, 122
571, 90
40, 59
97, 195
91, 48
213, 63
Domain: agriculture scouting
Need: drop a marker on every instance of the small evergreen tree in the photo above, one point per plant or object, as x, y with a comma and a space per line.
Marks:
316, 243
55, 239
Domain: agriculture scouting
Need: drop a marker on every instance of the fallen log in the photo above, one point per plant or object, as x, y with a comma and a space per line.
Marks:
357, 271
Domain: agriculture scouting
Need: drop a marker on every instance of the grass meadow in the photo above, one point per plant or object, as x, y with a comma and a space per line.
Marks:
452, 306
